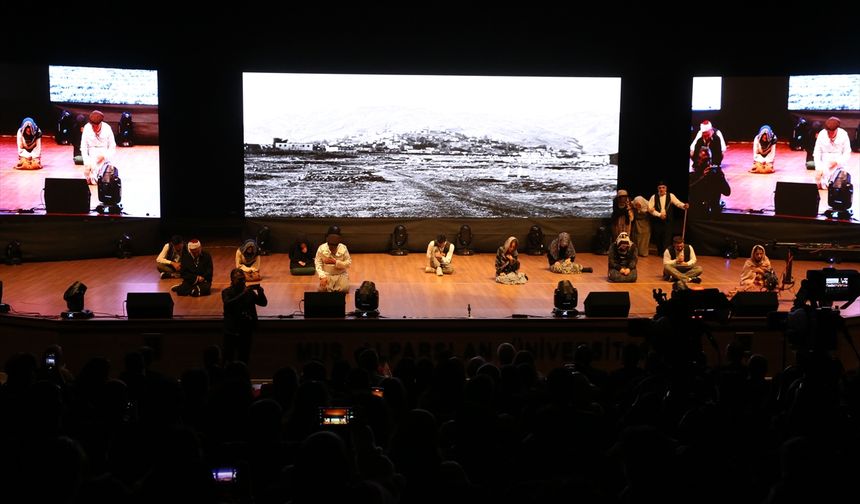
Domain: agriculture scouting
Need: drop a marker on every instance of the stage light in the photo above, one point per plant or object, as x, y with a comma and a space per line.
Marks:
125, 135
124, 248
65, 123
535, 242
565, 299
74, 298
367, 300
110, 190
840, 195
264, 236
14, 256
464, 241
398, 241
4, 308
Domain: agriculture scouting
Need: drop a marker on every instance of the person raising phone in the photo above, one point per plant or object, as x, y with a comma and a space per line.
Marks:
240, 315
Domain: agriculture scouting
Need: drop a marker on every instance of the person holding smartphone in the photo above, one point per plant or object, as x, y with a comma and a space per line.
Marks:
240, 315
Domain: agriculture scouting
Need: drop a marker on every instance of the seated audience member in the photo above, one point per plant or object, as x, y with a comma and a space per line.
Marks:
709, 137
440, 252
75, 138
757, 272
248, 260
764, 150
641, 225
622, 260
196, 271
332, 263
561, 255
508, 264
832, 152
29, 146
301, 257
169, 261
622, 214
679, 262
97, 146
707, 185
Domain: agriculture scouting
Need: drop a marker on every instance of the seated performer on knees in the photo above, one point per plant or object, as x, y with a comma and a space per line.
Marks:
302, 257
97, 146
679, 262
248, 260
196, 271
757, 273
508, 264
622, 260
29, 146
561, 256
332, 262
169, 261
764, 150
439, 254
832, 152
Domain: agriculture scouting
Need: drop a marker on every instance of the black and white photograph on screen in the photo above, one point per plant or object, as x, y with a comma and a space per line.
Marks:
326, 145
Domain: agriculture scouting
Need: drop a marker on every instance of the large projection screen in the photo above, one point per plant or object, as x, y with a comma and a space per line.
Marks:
429, 146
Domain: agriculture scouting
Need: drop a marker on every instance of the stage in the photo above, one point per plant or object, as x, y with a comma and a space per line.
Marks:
421, 314
752, 193
21, 191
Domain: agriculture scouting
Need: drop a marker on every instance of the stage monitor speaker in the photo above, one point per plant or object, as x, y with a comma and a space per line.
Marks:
754, 304
607, 304
325, 304
67, 196
796, 198
149, 305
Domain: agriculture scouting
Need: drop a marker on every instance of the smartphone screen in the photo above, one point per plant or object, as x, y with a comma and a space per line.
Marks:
336, 416
224, 474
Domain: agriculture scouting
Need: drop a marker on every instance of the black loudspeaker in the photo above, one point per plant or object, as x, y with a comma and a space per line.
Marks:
607, 304
796, 198
67, 196
754, 304
325, 304
149, 305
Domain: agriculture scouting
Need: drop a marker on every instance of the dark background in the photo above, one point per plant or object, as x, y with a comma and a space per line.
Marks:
200, 61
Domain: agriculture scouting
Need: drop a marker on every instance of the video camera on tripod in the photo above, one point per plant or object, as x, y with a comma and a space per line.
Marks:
813, 323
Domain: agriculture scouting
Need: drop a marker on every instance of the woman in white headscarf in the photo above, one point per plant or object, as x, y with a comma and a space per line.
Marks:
29, 146
764, 150
756, 271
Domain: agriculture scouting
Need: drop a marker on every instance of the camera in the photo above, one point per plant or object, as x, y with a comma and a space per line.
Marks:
50, 361
827, 285
336, 416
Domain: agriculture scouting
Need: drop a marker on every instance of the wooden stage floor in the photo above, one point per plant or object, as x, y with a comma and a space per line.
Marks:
22, 189
754, 191
406, 291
